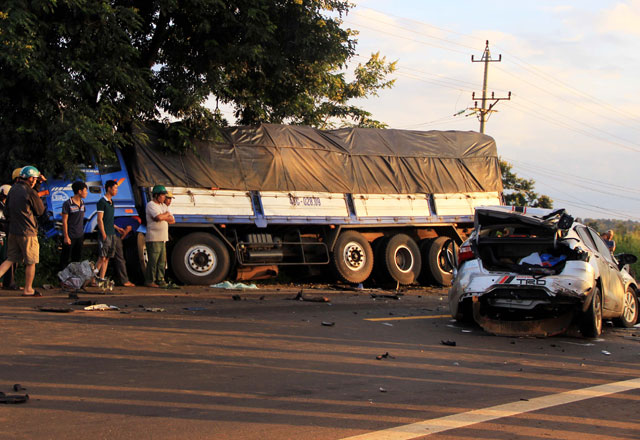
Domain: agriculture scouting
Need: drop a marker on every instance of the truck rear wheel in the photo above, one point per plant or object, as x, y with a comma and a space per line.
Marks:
438, 254
135, 253
402, 260
352, 257
200, 258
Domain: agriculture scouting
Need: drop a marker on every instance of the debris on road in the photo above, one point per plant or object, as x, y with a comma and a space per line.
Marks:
387, 324
606, 353
55, 309
101, 307
328, 323
18, 387
301, 297
385, 356
386, 296
83, 302
154, 309
13, 398
230, 285
382, 390
449, 343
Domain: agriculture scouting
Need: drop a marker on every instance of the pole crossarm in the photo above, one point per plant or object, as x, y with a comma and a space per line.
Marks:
483, 111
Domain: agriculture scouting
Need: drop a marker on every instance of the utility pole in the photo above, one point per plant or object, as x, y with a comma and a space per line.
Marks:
484, 111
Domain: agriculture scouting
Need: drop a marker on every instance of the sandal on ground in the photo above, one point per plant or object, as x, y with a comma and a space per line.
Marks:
35, 293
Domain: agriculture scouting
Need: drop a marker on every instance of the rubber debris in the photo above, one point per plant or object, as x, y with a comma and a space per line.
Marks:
55, 309
385, 356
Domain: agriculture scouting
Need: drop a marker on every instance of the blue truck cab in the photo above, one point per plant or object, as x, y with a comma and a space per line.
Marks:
59, 191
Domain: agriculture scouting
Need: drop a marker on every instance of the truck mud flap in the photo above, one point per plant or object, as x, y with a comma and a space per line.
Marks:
536, 328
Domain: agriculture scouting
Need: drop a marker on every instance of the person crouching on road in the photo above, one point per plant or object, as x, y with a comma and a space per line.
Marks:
23, 207
73, 225
158, 219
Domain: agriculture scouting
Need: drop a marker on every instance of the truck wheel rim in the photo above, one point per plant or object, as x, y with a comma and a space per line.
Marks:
200, 260
404, 259
629, 307
354, 256
445, 253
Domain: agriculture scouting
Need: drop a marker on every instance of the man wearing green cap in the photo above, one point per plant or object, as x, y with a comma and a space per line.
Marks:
23, 207
158, 219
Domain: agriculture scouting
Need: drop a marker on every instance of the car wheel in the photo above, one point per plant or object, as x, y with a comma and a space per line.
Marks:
402, 261
438, 261
629, 315
592, 320
200, 258
352, 257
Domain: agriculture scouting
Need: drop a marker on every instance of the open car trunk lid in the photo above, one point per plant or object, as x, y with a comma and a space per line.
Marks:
522, 240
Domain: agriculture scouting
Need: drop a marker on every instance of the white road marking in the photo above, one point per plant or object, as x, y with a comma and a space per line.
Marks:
455, 421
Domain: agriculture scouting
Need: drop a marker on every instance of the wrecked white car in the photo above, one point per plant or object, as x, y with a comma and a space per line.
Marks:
528, 271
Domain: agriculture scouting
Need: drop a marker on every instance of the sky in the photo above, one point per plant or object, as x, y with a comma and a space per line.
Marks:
572, 67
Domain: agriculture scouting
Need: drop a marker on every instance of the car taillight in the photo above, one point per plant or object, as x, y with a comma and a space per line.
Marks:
465, 253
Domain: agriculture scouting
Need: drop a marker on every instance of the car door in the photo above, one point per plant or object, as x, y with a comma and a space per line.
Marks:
601, 263
615, 292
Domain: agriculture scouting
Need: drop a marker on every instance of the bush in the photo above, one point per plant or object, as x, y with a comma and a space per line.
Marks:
47, 269
629, 243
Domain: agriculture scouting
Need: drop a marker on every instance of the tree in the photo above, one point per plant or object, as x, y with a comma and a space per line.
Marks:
77, 76
519, 191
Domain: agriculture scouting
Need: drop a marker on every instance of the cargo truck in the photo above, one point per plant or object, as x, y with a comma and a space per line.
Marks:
358, 200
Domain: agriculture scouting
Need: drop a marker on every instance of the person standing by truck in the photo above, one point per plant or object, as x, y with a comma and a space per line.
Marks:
23, 207
106, 228
4, 229
158, 218
73, 225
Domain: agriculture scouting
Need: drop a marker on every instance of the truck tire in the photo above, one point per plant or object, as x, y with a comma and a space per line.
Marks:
401, 257
440, 269
200, 258
352, 257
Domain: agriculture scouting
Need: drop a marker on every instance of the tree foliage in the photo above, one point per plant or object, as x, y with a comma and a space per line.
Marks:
519, 191
77, 76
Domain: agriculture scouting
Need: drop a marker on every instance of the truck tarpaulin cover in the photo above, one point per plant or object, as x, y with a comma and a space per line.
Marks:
272, 157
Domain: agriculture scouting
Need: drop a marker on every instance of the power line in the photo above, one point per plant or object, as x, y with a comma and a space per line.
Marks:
586, 179
406, 38
518, 62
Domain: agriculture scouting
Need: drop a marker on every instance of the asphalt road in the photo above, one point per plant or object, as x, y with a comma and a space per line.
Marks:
264, 367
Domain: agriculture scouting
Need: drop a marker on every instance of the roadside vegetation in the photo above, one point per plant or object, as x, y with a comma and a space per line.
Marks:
626, 234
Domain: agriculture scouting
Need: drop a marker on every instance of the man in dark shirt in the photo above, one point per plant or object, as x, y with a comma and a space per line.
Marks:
106, 228
73, 225
22, 209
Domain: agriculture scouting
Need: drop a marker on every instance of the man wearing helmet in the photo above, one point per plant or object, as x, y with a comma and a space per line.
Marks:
23, 207
158, 219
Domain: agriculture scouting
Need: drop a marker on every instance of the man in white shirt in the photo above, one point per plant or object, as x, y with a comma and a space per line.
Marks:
158, 219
